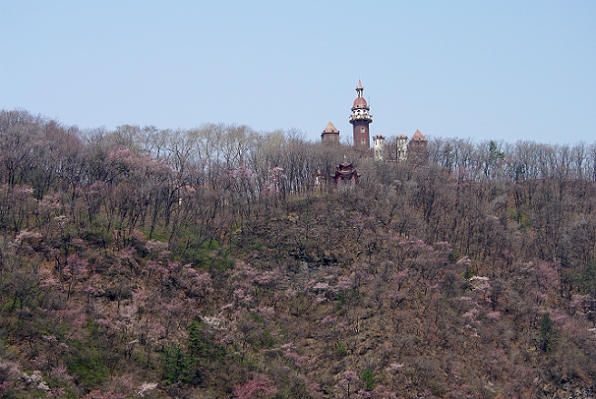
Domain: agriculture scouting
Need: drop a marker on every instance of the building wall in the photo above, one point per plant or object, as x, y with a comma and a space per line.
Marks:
361, 135
330, 137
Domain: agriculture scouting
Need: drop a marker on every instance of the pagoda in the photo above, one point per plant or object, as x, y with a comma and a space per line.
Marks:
345, 174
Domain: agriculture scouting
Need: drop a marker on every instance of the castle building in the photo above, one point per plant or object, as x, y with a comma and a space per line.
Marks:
379, 147
417, 148
330, 135
399, 150
360, 120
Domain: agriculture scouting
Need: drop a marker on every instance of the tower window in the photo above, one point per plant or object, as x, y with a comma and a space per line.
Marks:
362, 142
362, 130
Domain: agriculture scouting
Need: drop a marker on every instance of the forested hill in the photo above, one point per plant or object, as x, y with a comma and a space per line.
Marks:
206, 263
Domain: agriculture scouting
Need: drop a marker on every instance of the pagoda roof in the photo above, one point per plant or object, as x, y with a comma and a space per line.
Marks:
345, 164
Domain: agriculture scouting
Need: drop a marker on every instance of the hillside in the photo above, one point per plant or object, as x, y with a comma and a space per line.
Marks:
207, 264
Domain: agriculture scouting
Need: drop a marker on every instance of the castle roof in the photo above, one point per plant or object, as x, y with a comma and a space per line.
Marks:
418, 136
360, 102
330, 128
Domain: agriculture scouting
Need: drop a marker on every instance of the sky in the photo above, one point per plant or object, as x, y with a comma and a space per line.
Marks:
479, 70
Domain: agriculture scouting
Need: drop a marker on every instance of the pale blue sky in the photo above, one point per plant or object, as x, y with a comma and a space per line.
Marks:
501, 70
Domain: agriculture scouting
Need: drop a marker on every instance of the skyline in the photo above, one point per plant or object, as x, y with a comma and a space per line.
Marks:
503, 72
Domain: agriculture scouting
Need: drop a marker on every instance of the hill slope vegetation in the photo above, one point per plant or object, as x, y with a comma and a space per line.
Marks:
208, 264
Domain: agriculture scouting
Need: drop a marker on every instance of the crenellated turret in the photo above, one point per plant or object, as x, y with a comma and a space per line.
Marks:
401, 144
379, 147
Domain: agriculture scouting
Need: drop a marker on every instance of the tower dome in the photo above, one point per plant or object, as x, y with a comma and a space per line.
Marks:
360, 103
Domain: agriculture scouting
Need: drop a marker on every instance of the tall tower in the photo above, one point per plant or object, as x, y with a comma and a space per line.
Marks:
360, 119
